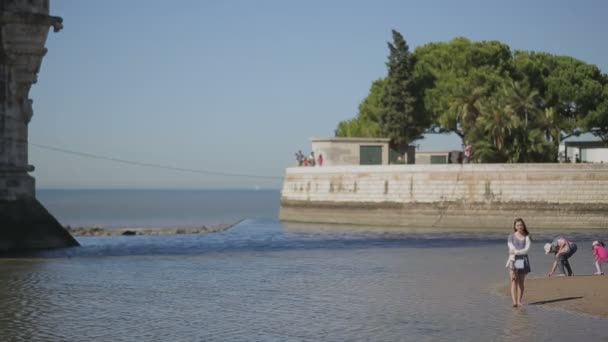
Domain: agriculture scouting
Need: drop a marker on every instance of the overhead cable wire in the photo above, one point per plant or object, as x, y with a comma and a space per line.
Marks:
152, 165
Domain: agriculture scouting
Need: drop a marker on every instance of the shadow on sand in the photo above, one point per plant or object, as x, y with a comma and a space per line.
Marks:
541, 302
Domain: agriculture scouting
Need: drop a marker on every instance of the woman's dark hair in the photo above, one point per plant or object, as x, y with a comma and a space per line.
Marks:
526, 233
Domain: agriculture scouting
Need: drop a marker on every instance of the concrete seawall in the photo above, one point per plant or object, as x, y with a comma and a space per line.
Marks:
449, 196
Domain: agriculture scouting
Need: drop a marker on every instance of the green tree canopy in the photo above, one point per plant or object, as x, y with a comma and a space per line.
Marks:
455, 75
366, 124
511, 106
597, 119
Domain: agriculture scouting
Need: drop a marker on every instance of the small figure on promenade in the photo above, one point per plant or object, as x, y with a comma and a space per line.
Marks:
563, 250
468, 150
320, 159
601, 255
311, 159
518, 262
299, 157
304, 161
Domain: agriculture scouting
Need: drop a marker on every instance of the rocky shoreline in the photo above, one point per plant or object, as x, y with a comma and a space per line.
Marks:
103, 231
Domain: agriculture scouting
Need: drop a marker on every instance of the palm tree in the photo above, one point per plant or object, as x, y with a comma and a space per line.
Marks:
522, 100
497, 121
485, 152
463, 110
530, 146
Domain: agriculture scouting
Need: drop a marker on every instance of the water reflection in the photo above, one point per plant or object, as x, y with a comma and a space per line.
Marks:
517, 326
21, 303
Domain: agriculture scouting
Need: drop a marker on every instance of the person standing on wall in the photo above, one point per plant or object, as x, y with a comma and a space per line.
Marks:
468, 150
518, 262
563, 250
299, 158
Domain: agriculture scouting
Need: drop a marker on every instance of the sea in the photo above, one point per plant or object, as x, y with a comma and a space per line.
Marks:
267, 280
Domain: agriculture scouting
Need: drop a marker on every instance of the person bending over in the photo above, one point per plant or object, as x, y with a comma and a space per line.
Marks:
563, 250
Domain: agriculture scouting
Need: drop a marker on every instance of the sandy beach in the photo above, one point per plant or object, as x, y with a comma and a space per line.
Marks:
586, 293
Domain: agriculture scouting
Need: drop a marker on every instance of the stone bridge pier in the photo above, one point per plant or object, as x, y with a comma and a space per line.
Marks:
24, 223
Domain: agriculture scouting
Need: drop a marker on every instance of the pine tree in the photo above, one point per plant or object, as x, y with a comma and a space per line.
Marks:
397, 116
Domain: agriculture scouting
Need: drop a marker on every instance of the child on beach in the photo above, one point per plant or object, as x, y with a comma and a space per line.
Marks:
601, 255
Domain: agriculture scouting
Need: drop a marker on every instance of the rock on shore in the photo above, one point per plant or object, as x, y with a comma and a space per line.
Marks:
101, 231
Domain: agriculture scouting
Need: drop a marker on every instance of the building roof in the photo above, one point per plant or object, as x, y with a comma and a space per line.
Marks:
351, 140
586, 144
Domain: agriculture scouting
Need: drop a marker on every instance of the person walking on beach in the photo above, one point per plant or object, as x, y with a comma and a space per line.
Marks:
563, 249
601, 255
518, 262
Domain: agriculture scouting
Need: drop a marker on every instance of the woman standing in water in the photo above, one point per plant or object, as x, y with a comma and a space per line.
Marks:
518, 262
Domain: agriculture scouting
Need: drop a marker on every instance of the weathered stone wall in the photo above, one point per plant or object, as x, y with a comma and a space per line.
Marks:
453, 196
24, 222
24, 26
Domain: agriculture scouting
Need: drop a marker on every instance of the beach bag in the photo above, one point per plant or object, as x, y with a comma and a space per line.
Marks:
519, 263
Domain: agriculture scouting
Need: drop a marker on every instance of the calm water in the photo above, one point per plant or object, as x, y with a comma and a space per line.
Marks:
158, 208
268, 281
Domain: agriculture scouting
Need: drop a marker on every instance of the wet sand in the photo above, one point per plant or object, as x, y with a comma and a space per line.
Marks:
586, 293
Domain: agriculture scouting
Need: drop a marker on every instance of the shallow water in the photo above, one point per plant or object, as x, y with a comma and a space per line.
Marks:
267, 281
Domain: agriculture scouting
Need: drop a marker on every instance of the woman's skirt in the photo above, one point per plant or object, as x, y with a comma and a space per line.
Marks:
521, 265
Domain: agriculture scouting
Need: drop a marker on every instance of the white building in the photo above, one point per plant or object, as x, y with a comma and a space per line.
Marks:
352, 151
584, 151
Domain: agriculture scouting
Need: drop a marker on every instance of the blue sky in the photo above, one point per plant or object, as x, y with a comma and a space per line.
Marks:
239, 86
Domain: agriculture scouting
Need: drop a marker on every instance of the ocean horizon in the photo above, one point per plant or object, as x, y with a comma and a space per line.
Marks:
158, 208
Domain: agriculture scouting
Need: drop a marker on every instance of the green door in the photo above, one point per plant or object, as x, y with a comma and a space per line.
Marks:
393, 157
439, 159
370, 155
